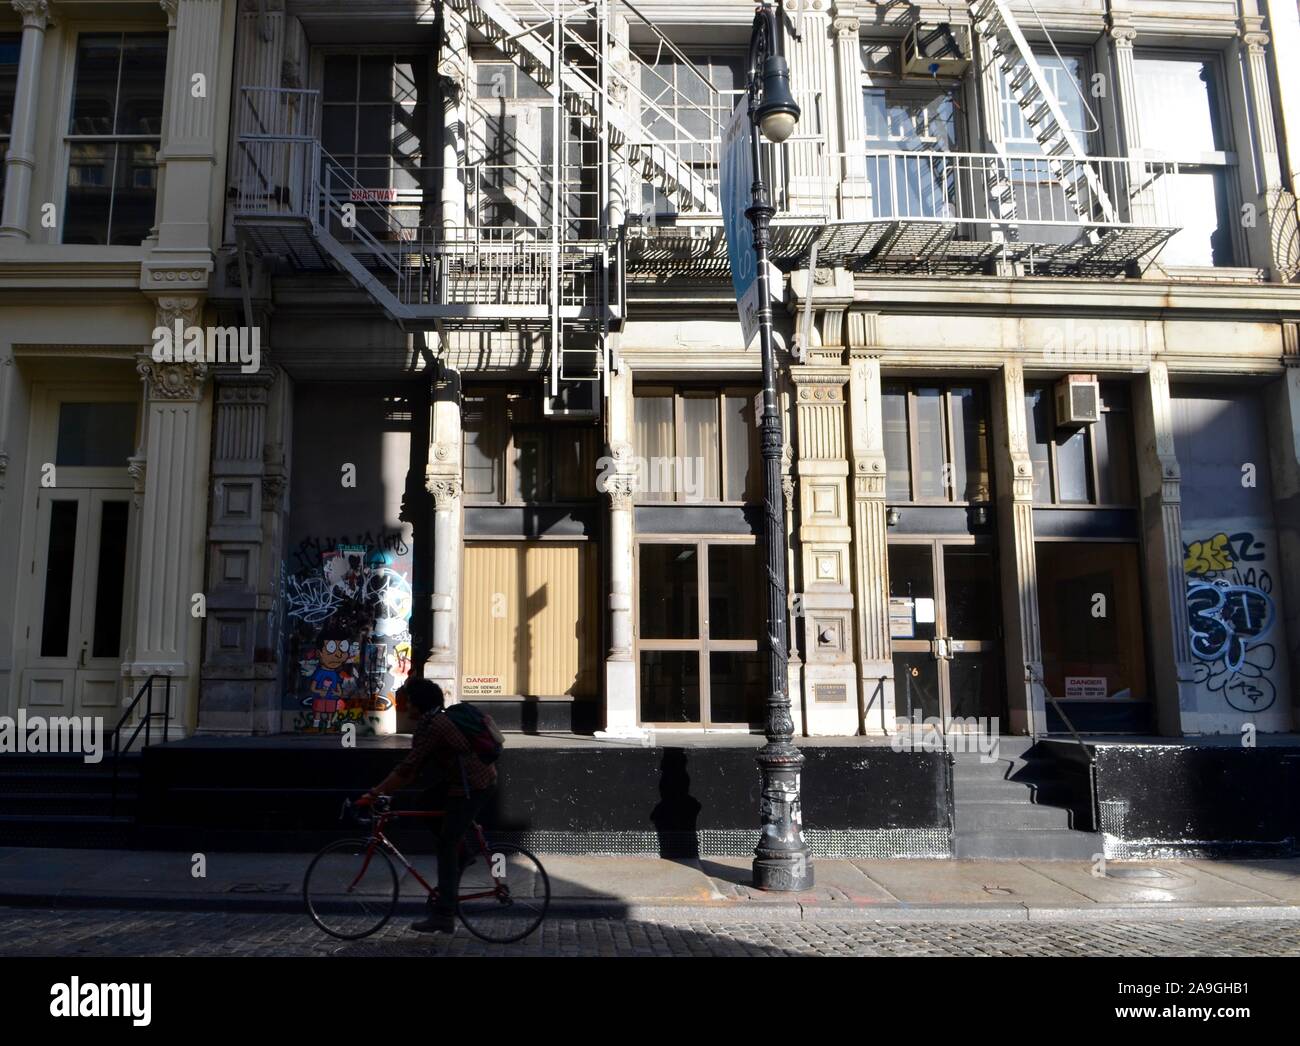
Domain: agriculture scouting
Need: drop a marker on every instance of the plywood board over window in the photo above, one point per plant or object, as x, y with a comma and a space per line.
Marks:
530, 624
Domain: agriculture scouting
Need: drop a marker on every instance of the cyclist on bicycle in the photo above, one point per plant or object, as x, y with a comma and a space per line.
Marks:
467, 782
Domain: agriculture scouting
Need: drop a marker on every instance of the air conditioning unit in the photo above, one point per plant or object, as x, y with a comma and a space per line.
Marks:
935, 51
1078, 400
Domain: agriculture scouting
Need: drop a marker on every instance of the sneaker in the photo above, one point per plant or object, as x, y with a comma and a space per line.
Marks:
435, 922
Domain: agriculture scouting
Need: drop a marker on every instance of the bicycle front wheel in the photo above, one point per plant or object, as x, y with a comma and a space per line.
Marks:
350, 889
503, 894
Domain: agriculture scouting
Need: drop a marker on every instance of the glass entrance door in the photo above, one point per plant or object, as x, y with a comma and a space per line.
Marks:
944, 620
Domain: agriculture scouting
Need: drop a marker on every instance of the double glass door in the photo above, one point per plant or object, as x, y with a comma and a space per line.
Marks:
80, 571
944, 622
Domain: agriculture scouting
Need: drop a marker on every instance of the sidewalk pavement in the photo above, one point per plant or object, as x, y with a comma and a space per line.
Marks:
710, 888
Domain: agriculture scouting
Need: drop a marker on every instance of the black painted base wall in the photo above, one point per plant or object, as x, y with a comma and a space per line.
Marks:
1190, 798
288, 798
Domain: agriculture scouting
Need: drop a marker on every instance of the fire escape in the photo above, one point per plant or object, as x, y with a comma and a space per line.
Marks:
617, 125
1053, 209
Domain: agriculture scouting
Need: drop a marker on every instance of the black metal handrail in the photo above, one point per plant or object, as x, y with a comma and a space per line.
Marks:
1089, 754
145, 724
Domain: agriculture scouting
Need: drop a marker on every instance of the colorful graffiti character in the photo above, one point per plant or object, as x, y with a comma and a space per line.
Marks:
332, 680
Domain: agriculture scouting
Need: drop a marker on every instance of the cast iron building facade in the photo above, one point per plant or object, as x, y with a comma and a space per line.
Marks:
1039, 365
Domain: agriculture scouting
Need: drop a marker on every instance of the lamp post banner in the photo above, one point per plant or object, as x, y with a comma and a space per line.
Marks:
736, 188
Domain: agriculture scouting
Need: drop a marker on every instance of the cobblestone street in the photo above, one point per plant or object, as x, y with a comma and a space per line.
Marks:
128, 933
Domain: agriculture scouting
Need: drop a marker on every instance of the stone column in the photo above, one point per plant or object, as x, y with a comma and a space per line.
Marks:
454, 77
443, 481
855, 192
824, 539
619, 483
1018, 565
241, 685
1121, 33
870, 535
1159, 481
171, 521
197, 46
1272, 234
811, 178
20, 161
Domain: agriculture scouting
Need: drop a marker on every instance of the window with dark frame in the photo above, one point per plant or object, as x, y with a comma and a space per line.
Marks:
374, 121
1086, 465
513, 455
114, 131
697, 445
936, 442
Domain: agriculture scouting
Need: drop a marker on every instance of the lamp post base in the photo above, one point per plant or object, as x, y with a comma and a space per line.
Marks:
781, 859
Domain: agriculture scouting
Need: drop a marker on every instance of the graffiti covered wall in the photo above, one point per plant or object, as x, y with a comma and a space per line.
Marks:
350, 571
1230, 563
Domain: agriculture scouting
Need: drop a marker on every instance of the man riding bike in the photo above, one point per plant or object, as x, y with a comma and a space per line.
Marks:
467, 782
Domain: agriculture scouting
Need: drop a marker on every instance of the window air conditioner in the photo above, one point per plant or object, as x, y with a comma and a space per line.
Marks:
935, 51
1078, 400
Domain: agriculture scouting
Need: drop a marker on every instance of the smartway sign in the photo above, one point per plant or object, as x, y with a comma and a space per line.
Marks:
737, 181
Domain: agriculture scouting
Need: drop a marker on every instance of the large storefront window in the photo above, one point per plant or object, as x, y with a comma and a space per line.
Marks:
1089, 564
1083, 464
513, 455
697, 445
936, 443
1090, 613
699, 620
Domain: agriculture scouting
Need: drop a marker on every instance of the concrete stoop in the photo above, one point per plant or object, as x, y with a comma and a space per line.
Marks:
1013, 807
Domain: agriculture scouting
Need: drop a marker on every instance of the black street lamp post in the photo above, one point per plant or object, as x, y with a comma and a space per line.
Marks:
781, 860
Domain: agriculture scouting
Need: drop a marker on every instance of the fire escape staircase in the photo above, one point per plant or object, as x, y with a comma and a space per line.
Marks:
1107, 202
295, 203
531, 47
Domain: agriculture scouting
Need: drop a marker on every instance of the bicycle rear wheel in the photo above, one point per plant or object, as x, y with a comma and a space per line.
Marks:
504, 894
350, 889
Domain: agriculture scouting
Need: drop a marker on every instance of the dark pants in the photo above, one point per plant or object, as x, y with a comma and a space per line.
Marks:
461, 813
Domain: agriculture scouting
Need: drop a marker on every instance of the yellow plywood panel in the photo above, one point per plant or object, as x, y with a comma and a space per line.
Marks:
530, 619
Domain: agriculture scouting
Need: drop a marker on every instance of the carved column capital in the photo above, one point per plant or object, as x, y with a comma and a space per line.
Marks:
846, 25
446, 491
172, 381
169, 9
1123, 34
620, 489
34, 13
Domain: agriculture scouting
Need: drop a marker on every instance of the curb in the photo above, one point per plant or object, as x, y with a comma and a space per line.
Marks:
729, 912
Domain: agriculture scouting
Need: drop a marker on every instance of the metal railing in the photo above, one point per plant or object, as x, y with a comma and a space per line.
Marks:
1089, 755
145, 723
992, 189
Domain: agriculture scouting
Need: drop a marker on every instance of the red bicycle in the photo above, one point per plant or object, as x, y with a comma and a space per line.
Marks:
351, 886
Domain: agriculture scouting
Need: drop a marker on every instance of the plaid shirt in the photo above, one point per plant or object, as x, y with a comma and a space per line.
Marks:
439, 741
